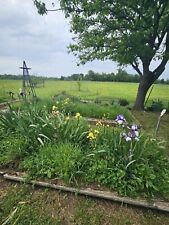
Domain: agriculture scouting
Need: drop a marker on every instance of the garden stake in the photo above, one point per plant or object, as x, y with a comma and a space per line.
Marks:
158, 122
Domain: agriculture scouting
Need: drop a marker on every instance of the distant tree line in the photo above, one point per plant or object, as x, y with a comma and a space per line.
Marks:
19, 77
10, 77
120, 76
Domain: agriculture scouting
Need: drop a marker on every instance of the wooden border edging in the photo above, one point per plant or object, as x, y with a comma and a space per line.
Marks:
2, 173
103, 121
9, 102
93, 193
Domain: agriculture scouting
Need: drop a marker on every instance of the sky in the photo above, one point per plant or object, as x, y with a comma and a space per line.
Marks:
42, 42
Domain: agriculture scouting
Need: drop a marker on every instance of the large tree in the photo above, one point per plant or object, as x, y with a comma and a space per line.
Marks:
130, 32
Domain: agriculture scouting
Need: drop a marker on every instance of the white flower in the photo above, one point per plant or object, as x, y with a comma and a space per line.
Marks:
134, 127
120, 121
128, 138
136, 133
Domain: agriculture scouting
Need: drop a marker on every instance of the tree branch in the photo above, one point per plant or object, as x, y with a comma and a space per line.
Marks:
135, 66
158, 71
53, 10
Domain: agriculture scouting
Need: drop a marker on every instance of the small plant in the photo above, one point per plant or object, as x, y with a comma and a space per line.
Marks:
97, 101
11, 149
79, 84
123, 102
156, 106
62, 161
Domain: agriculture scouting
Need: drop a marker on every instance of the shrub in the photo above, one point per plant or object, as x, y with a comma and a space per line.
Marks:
123, 102
11, 149
62, 161
156, 106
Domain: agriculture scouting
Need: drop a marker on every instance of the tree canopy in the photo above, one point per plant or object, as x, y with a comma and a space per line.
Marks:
132, 32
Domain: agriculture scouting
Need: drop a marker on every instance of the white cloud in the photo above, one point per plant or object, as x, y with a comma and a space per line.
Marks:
41, 41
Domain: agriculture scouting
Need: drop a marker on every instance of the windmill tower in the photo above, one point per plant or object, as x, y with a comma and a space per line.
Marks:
27, 85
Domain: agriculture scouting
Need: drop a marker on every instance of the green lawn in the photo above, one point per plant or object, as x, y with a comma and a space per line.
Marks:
89, 90
22, 205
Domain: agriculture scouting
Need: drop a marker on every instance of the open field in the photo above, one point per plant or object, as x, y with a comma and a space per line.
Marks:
89, 90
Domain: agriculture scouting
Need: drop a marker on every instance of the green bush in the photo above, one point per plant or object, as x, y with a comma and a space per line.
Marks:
62, 161
156, 106
11, 149
123, 102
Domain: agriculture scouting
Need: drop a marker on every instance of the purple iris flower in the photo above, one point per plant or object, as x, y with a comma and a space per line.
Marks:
134, 129
120, 119
132, 134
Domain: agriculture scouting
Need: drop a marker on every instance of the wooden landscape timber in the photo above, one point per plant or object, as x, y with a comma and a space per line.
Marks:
5, 104
161, 206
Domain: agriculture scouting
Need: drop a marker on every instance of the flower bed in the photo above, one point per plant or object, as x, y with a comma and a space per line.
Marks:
52, 144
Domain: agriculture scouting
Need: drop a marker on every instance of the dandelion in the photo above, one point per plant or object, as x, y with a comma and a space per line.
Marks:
77, 116
107, 125
120, 119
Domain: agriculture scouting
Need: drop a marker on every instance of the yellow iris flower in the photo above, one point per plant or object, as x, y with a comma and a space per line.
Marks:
77, 116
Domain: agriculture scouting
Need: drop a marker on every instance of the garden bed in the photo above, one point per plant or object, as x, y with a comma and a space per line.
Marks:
48, 143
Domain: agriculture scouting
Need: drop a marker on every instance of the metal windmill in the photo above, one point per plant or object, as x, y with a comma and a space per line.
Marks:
27, 85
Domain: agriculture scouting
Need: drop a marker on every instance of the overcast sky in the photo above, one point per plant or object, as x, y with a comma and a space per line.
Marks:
42, 42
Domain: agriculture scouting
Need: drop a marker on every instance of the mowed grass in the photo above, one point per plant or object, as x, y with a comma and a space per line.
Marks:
23, 205
89, 90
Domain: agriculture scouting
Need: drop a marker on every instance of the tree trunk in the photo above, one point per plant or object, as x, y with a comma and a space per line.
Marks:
145, 84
